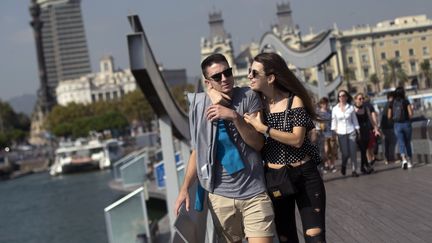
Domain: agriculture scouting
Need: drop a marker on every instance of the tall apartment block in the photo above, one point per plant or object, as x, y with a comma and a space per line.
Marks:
64, 41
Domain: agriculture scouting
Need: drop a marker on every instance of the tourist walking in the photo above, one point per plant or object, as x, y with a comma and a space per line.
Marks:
290, 157
387, 127
401, 112
367, 131
345, 125
326, 137
226, 160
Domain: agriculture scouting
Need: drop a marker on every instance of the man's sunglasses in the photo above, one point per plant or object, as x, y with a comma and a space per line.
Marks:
218, 76
254, 73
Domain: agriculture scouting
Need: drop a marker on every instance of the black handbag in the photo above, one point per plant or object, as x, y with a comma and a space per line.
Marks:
278, 181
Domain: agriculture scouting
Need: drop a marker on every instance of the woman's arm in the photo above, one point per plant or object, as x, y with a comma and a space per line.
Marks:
295, 139
410, 111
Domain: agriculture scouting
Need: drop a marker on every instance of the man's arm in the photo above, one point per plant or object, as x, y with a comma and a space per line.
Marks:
246, 131
189, 179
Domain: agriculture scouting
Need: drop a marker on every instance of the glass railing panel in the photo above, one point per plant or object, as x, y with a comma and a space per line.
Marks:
134, 172
127, 219
116, 166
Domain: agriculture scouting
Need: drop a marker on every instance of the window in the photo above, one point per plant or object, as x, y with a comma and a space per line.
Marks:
108, 96
350, 60
409, 39
384, 68
364, 58
413, 66
381, 43
397, 54
366, 72
423, 38
425, 50
100, 96
93, 98
395, 42
383, 55
411, 52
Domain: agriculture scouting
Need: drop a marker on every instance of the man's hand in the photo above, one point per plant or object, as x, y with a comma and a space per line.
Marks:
183, 197
217, 97
215, 112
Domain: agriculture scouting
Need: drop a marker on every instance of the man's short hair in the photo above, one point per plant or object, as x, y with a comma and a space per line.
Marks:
213, 58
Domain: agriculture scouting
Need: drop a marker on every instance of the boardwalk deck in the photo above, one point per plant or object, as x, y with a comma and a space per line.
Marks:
390, 205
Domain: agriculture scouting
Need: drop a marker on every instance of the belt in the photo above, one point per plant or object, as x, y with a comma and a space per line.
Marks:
292, 165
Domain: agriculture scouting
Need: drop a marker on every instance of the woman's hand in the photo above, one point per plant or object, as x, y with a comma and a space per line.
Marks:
255, 121
218, 98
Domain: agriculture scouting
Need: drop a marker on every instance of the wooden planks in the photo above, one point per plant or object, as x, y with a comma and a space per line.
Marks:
390, 205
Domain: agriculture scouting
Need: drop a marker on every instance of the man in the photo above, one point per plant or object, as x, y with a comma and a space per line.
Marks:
225, 158
387, 126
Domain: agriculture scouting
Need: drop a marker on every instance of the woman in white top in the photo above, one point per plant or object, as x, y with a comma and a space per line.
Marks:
345, 124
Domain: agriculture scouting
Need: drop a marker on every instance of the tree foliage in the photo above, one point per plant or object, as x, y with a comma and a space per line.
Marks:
179, 94
373, 78
14, 127
77, 120
426, 72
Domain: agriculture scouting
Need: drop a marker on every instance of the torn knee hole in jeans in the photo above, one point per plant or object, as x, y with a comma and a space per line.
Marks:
283, 238
313, 232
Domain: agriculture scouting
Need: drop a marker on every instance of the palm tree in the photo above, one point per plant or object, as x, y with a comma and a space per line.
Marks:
373, 78
393, 65
426, 72
348, 76
402, 77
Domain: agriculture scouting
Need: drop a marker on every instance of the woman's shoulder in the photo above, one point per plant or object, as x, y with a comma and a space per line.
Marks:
297, 102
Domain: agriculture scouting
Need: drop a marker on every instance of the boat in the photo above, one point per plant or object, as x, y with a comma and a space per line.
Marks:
85, 155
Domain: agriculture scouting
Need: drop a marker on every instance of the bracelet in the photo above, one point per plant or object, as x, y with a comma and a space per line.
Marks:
267, 132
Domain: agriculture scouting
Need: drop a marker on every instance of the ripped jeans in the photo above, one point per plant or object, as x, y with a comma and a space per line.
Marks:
311, 202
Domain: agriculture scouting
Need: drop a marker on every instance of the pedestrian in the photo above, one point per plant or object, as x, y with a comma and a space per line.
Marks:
326, 137
345, 125
401, 112
364, 118
225, 158
387, 127
290, 157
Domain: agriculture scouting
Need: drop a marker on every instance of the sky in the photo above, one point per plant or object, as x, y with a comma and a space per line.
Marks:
175, 27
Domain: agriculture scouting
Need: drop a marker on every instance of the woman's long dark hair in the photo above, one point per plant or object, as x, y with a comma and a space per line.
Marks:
285, 80
399, 93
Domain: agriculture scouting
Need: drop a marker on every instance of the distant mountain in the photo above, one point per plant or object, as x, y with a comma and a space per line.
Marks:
24, 103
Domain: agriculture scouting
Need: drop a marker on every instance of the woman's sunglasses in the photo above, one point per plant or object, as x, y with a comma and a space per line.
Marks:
218, 76
254, 73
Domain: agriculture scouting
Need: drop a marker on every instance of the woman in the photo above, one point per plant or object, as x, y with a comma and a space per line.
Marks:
401, 112
327, 140
365, 122
288, 118
345, 124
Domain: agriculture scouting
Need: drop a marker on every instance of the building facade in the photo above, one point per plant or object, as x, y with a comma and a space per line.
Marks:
64, 41
108, 84
362, 51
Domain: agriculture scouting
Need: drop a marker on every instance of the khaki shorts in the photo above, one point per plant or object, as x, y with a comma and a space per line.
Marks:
230, 216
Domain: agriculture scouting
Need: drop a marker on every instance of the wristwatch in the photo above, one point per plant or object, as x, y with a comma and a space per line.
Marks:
267, 132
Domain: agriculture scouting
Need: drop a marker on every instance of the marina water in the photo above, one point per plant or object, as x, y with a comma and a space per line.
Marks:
68, 208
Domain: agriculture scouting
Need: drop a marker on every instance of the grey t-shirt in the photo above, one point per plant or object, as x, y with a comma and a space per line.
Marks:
249, 181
